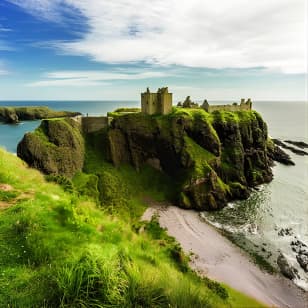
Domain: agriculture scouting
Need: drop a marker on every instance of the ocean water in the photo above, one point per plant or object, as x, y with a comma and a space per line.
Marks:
10, 135
283, 203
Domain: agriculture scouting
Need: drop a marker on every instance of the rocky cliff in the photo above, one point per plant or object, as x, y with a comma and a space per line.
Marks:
211, 157
16, 114
55, 147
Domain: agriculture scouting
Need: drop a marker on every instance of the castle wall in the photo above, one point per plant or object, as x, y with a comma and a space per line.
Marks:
166, 105
149, 103
156, 103
93, 124
240, 107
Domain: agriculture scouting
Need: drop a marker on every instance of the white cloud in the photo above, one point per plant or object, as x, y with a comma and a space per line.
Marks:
195, 33
90, 78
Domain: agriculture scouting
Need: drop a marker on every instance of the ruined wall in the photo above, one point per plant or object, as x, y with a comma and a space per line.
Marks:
231, 107
93, 124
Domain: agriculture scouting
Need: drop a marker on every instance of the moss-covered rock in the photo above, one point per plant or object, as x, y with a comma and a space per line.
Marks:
213, 158
55, 147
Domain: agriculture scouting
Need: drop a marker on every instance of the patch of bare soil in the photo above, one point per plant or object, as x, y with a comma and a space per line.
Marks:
5, 187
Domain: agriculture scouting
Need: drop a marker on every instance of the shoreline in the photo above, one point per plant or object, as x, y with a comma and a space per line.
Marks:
217, 258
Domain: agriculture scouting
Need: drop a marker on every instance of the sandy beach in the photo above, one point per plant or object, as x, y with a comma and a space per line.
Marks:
219, 259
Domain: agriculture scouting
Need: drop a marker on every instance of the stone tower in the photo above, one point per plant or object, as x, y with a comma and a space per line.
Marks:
156, 103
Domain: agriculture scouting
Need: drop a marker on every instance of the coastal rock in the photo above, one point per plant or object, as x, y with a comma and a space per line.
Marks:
298, 246
13, 115
286, 269
300, 144
302, 259
285, 232
213, 158
8, 116
277, 154
56, 147
292, 149
301, 251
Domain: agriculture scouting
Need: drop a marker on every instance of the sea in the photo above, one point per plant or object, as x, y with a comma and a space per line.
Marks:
257, 221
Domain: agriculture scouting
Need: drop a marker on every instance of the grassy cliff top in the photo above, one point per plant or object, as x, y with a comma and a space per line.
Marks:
59, 250
15, 114
190, 112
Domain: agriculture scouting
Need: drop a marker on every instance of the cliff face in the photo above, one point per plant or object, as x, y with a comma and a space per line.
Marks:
16, 114
213, 158
56, 147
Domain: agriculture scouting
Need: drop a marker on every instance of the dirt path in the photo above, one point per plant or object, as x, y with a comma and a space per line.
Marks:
8, 188
219, 259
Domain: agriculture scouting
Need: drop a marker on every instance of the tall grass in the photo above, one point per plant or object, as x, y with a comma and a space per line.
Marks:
58, 249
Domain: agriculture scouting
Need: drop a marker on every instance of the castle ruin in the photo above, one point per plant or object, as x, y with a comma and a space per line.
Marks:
244, 105
156, 103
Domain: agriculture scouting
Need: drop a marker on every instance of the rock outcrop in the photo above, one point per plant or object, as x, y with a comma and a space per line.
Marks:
286, 269
292, 149
12, 115
275, 153
56, 147
213, 158
301, 251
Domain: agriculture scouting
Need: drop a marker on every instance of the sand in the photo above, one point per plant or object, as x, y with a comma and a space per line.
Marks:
219, 259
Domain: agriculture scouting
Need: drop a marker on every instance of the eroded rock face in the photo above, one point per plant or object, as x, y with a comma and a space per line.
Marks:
56, 147
8, 116
213, 158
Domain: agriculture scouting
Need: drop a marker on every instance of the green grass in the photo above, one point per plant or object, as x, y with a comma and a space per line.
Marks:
120, 191
58, 249
122, 111
34, 112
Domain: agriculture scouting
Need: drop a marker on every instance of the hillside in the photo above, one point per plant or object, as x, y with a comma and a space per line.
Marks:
58, 249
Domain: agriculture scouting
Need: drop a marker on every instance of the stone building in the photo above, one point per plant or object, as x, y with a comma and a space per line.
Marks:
156, 103
244, 105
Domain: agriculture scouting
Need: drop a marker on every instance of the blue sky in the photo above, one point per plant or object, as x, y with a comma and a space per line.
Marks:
98, 49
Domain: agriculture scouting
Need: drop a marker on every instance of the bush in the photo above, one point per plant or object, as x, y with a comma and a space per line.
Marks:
63, 181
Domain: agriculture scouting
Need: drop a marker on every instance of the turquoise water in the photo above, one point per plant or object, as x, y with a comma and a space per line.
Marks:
283, 203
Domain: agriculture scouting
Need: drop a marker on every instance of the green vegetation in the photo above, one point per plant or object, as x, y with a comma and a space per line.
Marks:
120, 191
15, 114
122, 111
203, 153
59, 249
56, 147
